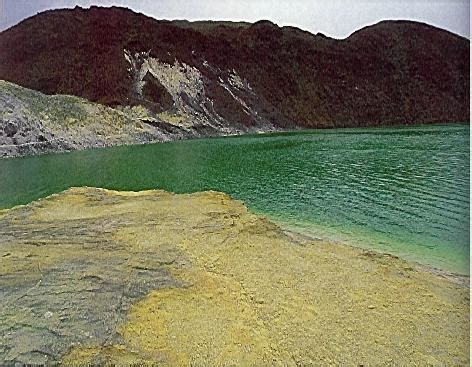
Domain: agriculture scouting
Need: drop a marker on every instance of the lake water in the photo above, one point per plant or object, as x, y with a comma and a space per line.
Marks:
402, 190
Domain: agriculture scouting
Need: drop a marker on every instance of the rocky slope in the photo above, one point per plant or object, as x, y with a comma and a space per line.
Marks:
92, 276
239, 75
34, 123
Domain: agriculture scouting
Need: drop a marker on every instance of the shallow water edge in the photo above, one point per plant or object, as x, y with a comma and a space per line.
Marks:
199, 279
400, 190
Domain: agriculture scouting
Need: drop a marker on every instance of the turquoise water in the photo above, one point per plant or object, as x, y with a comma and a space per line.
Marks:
401, 190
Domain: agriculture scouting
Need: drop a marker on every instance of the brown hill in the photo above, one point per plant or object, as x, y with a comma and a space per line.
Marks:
244, 74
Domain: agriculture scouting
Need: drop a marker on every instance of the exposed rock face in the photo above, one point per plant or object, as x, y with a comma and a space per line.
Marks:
34, 123
20, 132
92, 276
243, 75
186, 86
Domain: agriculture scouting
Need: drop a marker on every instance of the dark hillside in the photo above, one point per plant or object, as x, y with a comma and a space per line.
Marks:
394, 72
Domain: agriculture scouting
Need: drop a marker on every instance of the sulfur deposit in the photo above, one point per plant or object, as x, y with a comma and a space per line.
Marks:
97, 276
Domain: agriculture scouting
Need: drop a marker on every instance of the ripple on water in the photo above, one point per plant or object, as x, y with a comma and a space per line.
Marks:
401, 190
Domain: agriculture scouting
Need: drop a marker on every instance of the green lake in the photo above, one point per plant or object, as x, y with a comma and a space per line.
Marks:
402, 190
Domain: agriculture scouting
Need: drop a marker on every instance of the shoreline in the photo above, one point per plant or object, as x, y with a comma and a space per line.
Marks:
453, 277
234, 134
99, 276
298, 234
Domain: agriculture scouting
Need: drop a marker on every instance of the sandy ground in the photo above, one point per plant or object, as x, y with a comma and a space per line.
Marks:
96, 276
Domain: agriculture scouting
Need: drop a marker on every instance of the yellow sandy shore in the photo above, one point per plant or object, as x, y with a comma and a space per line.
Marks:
239, 290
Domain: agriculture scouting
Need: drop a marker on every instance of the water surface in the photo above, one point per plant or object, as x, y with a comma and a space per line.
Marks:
401, 190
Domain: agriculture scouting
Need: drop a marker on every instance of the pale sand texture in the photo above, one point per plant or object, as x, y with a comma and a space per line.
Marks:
198, 280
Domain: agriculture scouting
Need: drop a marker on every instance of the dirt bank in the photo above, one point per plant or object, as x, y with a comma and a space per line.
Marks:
94, 276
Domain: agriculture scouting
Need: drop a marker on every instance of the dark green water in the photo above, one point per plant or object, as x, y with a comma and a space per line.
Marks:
401, 190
